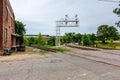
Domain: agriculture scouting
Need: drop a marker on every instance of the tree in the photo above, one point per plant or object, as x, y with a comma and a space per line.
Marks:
102, 33
26, 41
78, 38
86, 40
69, 37
20, 28
51, 41
92, 38
63, 39
32, 40
106, 32
117, 12
40, 40
113, 33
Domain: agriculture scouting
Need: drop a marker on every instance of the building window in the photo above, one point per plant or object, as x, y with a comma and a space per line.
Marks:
5, 35
6, 14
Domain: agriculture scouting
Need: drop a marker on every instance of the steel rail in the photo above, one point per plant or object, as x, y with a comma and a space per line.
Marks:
44, 48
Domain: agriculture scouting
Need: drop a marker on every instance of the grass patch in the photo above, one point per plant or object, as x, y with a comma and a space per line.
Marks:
29, 49
43, 52
115, 45
61, 49
104, 46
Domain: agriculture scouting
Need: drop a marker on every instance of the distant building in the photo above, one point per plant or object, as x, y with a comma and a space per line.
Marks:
45, 37
8, 38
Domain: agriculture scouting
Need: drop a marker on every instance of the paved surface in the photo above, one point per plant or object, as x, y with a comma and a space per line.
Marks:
58, 66
107, 56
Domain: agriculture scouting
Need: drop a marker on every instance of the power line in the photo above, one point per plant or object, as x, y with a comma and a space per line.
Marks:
113, 1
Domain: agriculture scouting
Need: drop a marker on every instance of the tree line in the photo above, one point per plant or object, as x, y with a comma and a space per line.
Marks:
104, 33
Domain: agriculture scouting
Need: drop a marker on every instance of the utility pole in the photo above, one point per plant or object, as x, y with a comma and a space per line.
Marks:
65, 22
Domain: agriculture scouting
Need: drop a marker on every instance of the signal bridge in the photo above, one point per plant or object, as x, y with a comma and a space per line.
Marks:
65, 22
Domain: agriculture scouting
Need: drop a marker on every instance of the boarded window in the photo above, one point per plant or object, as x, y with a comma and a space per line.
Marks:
6, 14
5, 35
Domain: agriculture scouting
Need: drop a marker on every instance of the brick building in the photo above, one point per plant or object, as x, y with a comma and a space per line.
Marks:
7, 27
45, 37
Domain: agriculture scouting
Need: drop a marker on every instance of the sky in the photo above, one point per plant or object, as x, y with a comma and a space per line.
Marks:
40, 16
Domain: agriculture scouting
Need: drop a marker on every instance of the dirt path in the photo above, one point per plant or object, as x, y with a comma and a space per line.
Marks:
29, 53
18, 57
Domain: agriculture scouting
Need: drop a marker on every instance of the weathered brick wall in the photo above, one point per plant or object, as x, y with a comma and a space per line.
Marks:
8, 22
1, 27
7, 27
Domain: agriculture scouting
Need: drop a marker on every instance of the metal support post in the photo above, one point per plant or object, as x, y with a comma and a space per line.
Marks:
57, 36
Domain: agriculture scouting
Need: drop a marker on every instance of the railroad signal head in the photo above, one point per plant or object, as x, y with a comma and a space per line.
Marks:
76, 16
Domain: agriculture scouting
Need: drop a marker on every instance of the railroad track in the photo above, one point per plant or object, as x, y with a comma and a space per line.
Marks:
86, 57
92, 57
93, 49
84, 48
44, 48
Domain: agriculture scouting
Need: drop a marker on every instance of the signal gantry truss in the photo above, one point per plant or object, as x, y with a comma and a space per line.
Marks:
65, 22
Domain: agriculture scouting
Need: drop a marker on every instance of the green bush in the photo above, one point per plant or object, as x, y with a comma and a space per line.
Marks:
32, 41
26, 41
51, 41
43, 52
92, 38
111, 44
86, 40
40, 40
